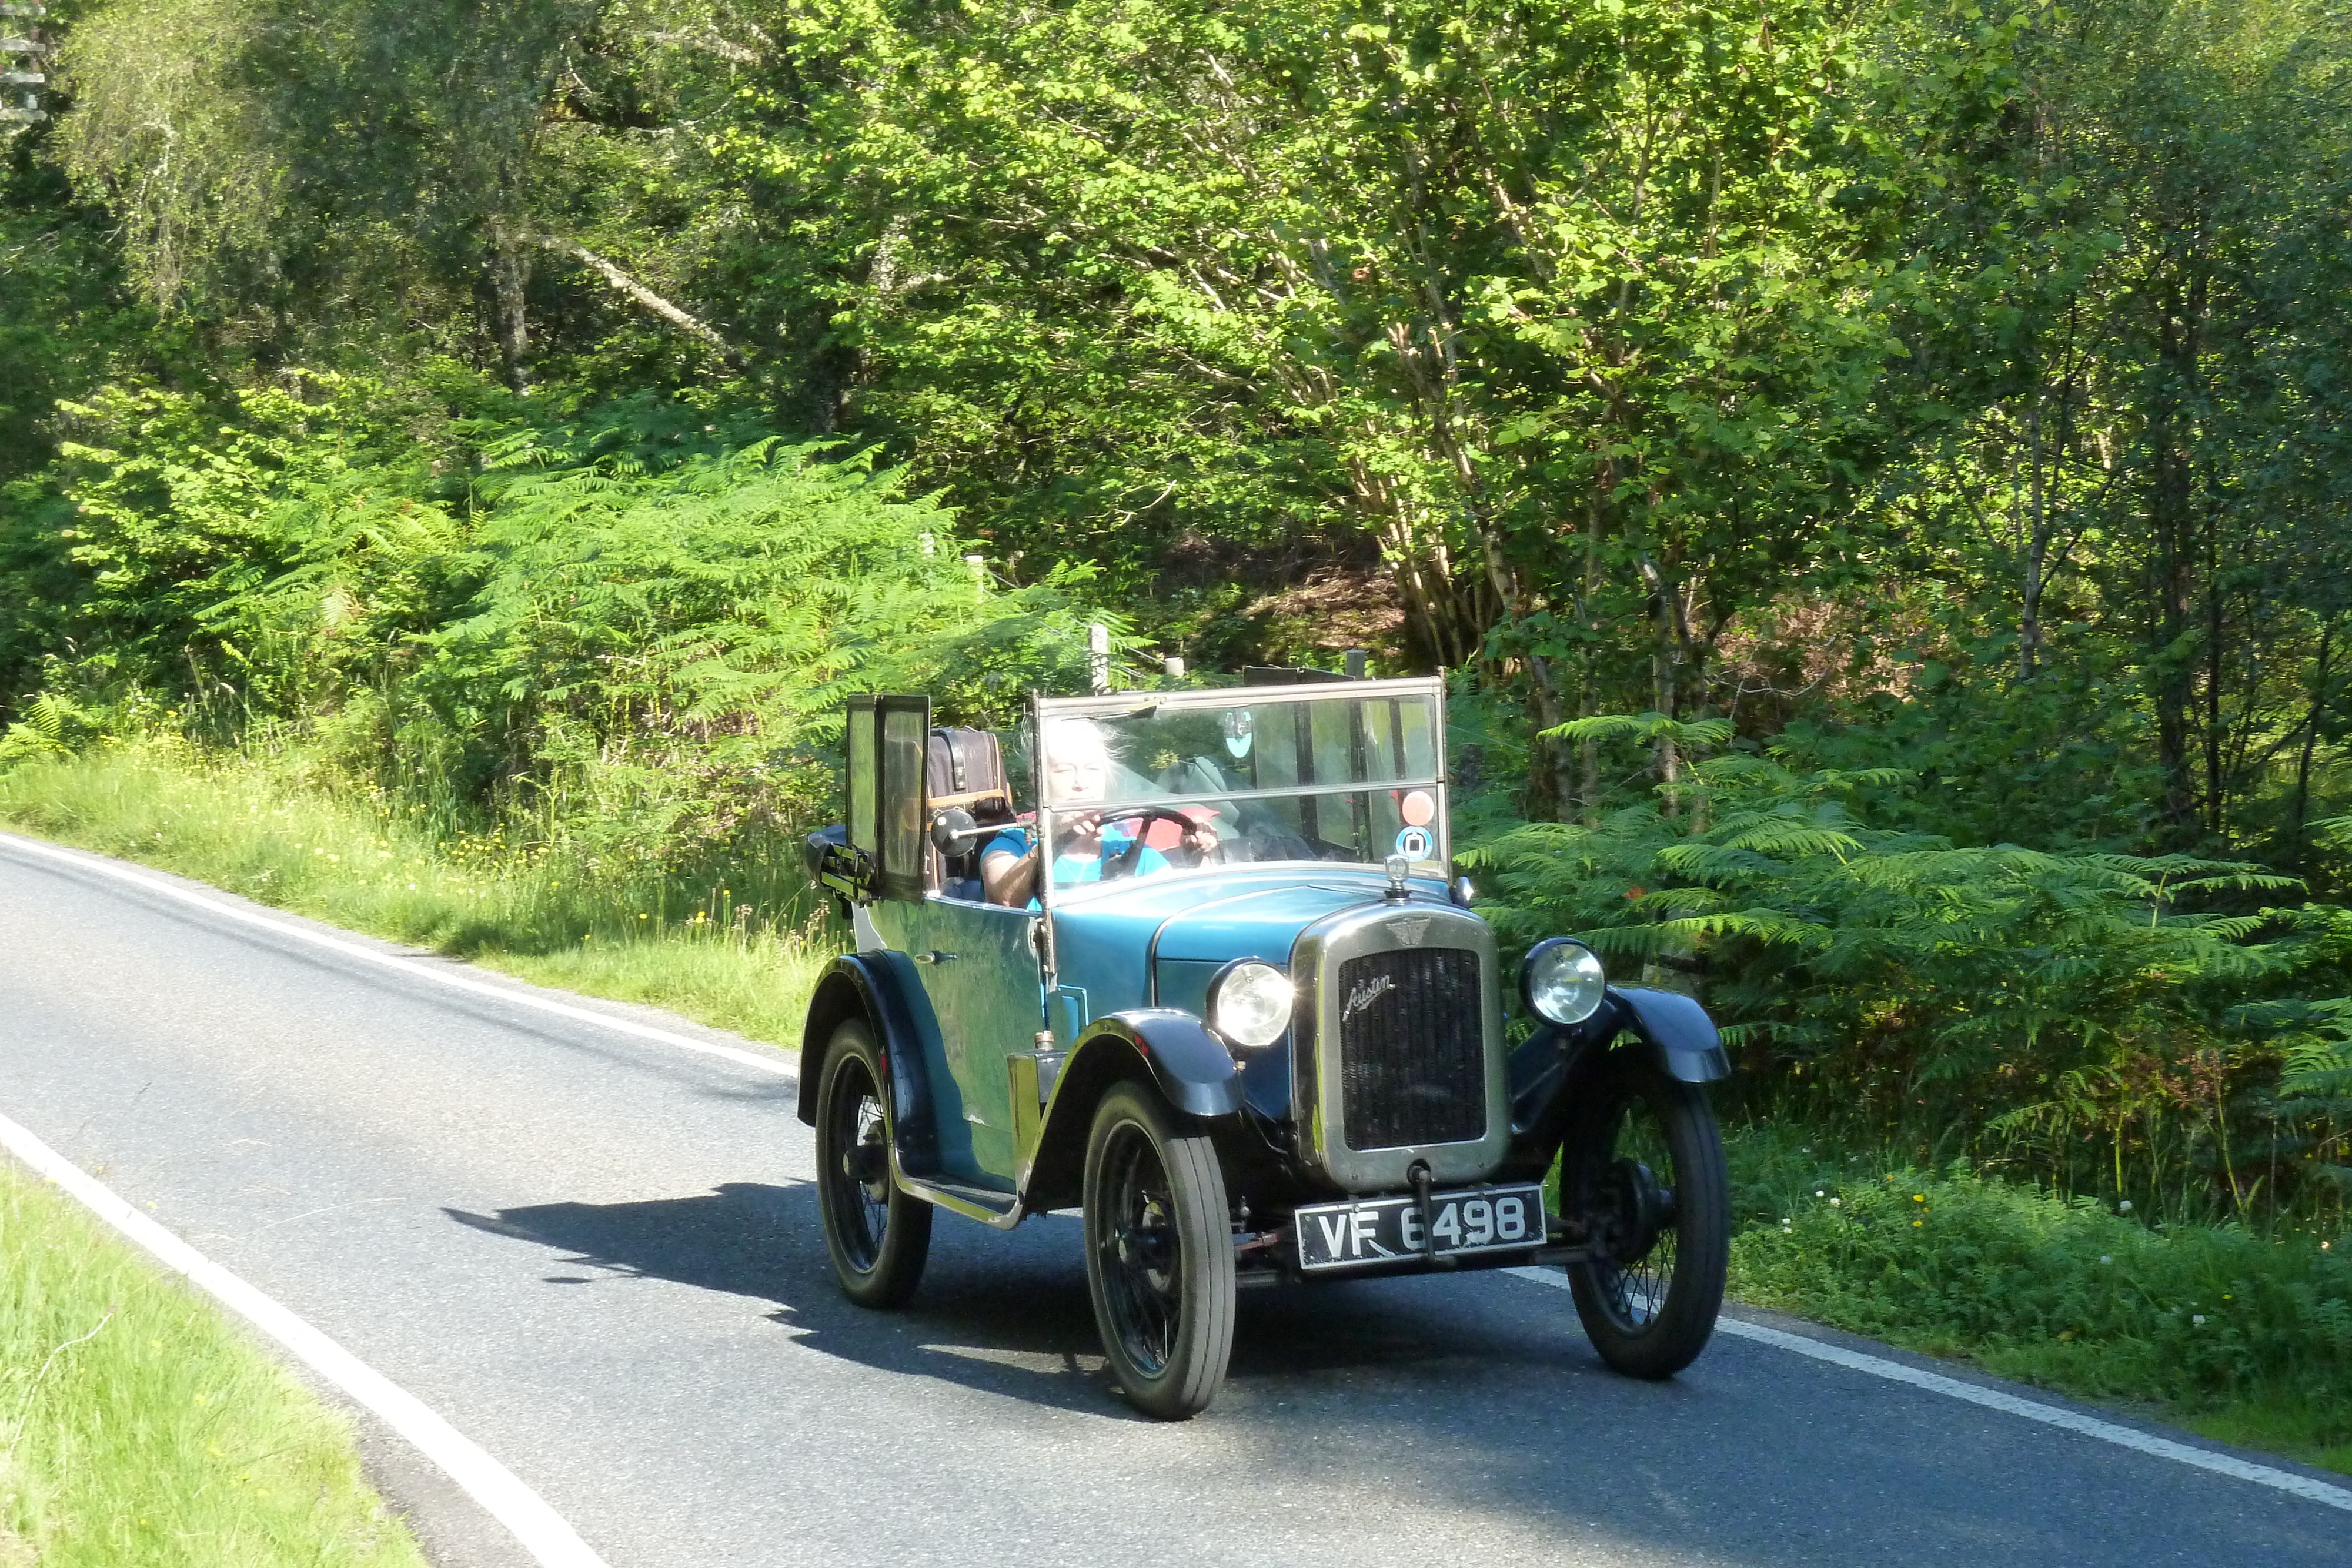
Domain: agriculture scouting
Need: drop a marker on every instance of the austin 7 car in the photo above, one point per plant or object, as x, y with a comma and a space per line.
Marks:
1196, 965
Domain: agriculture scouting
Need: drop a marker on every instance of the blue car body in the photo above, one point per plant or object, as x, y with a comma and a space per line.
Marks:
1001, 1026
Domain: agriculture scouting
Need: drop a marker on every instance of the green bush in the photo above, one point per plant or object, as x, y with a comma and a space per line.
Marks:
2062, 1291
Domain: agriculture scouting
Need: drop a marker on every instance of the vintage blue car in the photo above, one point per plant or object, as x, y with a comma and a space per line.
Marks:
1243, 1021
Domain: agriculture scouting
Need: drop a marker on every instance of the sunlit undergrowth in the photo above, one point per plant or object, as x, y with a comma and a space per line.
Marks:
2244, 1336
730, 952
137, 1427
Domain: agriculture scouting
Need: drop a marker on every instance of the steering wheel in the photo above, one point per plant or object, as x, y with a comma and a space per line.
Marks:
1132, 856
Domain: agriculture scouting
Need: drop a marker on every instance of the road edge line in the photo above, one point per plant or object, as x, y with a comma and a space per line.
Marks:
535, 1525
2304, 1487
107, 865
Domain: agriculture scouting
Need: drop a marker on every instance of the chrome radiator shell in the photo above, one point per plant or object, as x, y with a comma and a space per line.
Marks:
1318, 1097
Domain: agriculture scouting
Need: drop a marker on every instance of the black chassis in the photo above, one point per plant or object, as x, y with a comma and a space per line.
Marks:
1195, 1072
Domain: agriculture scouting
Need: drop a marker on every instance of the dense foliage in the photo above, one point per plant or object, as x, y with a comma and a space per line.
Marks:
1931, 419
1902, 985
2056, 1291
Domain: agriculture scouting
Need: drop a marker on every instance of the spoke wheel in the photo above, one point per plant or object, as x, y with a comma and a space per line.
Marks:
1642, 1172
878, 1236
1159, 1255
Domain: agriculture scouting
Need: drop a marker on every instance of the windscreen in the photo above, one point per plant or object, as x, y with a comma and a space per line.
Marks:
1339, 778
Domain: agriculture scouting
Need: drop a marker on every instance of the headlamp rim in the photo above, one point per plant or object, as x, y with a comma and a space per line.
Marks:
1217, 983
1527, 977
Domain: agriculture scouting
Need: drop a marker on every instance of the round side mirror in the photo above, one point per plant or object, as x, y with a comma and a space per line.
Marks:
953, 829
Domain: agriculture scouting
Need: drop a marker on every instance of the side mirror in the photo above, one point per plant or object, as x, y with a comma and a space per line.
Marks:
814, 848
952, 829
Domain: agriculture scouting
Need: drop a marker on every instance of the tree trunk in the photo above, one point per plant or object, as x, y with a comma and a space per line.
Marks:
2174, 661
1670, 644
511, 289
2029, 627
1588, 750
2217, 794
2299, 833
2174, 516
635, 290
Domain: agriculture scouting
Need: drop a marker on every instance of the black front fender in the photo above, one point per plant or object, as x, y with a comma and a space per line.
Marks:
874, 986
1184, 1061
1687, 1044
1548, 1070
1191, 1067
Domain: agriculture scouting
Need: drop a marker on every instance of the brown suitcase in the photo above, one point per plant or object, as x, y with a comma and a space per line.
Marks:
964, 767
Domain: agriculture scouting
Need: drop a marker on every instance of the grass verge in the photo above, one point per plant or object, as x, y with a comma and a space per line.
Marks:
356, 862
138, 1426
2244, 1337
2026, 1285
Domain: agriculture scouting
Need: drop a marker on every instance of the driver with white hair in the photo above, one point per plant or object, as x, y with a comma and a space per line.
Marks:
1078, 769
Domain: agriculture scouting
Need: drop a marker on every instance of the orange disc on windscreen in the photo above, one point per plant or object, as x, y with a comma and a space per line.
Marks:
1417, 807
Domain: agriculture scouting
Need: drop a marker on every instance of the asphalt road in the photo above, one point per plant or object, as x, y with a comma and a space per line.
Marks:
600, 1259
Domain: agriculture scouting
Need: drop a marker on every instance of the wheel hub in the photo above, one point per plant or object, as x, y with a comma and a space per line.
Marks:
1145, 1246
866, 1164
1633, 1209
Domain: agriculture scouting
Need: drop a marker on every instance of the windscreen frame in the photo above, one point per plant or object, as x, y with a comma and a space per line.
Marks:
1046, 710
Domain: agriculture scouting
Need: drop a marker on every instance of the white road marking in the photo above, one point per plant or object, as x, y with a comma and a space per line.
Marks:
780, 1065
541, 1530
2009, 1403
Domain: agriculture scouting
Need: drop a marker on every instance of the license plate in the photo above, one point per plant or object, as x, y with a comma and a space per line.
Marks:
1375, 1229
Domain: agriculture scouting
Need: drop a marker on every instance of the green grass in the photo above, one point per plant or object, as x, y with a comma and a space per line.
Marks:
356, 860
2239, 1335
137, 1426
2029, 1286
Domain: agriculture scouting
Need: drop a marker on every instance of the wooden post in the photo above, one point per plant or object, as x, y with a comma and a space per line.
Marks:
22, 68
1098, 656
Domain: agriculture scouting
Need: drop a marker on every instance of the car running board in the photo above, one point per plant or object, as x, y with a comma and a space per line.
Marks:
997, 1210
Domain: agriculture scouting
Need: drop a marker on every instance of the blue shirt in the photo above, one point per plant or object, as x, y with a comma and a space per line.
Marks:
1069, 868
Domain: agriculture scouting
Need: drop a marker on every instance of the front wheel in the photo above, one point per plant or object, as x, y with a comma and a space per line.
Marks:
1159, 1255
878, 1236
1642, 1173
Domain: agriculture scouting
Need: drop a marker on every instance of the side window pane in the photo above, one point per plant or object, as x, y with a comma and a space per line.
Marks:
861, 762
902, 802
1419, 722
1335, 742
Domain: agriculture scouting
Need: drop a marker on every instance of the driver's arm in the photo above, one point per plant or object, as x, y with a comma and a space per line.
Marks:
1009, 879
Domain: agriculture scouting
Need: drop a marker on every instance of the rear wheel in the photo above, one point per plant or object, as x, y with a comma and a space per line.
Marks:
878, 1236
1642, 1172
1159, 1255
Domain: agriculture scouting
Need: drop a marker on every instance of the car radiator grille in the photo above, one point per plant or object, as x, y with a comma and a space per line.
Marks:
1412, 1058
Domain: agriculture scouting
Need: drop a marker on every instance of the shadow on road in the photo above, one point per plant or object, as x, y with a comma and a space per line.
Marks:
1474, 1399
1019, 1335
1006, 1313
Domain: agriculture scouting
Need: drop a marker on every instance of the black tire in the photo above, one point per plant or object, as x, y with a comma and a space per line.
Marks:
1642, 1173
1159, 1255
878, 1236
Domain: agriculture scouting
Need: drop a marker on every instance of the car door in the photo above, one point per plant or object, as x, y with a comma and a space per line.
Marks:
981, 972
978, 963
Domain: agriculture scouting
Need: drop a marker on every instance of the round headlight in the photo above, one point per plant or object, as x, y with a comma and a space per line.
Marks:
1562, 981
1249, 1003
